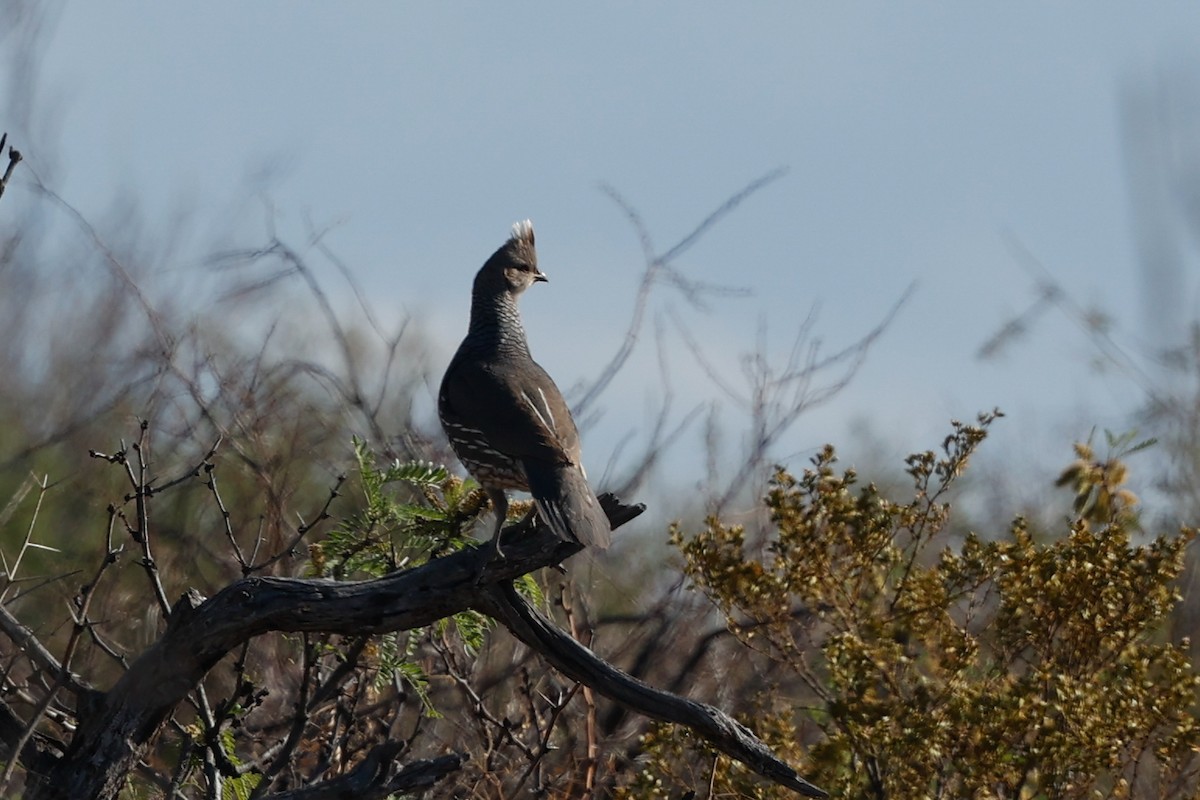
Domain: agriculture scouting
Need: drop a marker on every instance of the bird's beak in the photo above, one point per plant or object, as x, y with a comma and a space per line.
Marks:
540, 277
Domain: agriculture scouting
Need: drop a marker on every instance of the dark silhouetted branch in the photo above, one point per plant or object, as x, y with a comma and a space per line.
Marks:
581, 664
110, 741
14, 158
200, 632
371, 779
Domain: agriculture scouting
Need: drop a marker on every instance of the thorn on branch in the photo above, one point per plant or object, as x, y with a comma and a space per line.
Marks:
14, 158
116, 458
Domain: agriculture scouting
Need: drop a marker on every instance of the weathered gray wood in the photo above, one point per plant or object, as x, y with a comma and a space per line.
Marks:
116, 733
579, 663
370, 779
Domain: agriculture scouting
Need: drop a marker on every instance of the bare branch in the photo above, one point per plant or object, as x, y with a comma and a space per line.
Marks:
111, 740
776, 397
370, 779
723, 210
658, 266
166, 340
27, 641
14, 158
577, 662
303, 529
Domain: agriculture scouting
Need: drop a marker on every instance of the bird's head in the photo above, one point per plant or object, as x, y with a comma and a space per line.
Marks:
513, 268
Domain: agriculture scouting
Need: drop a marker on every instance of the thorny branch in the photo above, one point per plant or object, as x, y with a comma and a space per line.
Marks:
658, 268
577, 662
14, 158
189, 617
111, 740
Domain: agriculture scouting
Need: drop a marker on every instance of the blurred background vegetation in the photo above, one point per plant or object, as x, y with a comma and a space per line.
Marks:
1025, 645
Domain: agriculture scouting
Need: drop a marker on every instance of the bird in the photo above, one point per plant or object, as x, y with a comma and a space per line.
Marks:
505, 418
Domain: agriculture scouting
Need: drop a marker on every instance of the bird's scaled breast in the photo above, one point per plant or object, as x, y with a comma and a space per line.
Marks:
488, 466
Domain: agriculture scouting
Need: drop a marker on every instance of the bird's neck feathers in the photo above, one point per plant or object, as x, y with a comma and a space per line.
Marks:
496, 322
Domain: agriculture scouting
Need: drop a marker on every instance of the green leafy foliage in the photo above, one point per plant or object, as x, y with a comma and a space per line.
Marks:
1012, 666
239, 787
390, 531
396, 660
431, 513
408, 513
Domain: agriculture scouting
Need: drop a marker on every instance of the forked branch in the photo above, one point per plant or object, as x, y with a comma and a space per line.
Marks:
110, 741
580, 664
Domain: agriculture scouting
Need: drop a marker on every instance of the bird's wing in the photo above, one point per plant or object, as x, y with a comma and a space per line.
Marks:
520, 413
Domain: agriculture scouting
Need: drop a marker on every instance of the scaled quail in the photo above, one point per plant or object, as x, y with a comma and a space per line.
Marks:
505, 418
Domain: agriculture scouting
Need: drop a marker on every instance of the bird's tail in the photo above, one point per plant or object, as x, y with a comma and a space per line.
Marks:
567, 504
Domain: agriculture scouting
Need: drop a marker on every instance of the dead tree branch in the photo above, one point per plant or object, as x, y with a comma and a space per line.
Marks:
115, 735
659, 269
370, 780
581, 664
14, 158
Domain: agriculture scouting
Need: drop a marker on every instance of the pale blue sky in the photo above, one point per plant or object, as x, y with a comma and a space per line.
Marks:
914, 135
